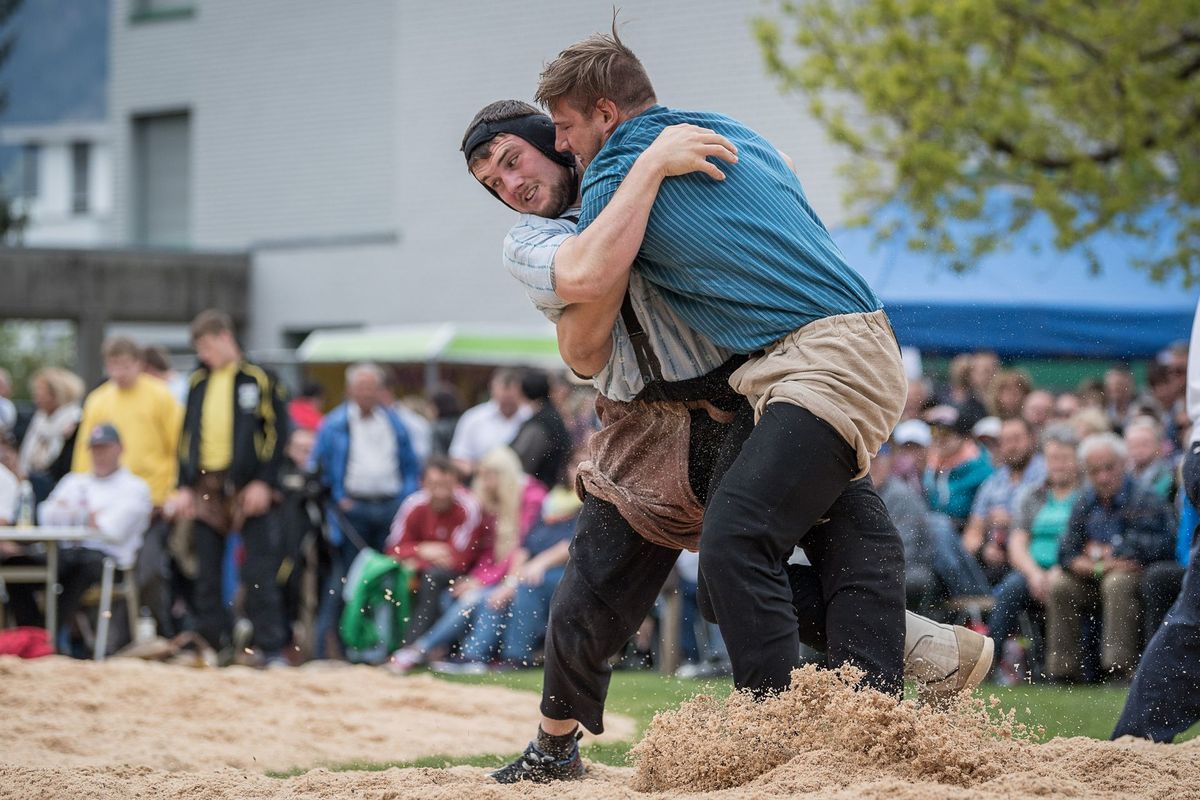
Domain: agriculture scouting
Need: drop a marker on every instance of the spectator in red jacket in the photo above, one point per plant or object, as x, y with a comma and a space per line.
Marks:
440, 532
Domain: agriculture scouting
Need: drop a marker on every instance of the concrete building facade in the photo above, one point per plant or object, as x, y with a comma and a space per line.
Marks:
323, 139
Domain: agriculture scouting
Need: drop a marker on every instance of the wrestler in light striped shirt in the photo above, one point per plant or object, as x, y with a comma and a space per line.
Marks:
529, 250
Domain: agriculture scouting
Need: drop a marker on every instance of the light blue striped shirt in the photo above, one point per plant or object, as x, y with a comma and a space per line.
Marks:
529, 251
745, 261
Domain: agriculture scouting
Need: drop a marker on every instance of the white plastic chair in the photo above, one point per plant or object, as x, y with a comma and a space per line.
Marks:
127, 588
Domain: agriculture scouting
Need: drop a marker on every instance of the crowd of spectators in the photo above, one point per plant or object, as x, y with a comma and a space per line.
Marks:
246, 514
1049, 519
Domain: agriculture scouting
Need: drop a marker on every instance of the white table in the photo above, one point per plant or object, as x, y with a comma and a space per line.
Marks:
51, 536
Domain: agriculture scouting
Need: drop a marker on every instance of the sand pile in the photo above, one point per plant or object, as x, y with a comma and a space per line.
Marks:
132, 730
825, 722
826, 738
1077, 769
57, 712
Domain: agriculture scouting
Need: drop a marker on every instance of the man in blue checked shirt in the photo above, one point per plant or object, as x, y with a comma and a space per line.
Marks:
629, 537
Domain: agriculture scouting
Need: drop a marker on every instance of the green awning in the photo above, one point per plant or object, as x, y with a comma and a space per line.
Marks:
458, 343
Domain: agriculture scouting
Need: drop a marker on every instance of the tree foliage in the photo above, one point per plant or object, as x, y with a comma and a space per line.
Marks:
28, 345
983, 114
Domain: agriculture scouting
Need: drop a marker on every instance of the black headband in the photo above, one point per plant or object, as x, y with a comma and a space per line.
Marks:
537, 129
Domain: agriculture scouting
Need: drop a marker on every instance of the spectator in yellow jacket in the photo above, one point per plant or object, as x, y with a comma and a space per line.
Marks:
143, 410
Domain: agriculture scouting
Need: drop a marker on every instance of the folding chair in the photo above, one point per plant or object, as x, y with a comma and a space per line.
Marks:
126, 588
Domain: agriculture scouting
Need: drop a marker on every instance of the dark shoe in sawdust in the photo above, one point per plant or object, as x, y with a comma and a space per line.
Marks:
537, 766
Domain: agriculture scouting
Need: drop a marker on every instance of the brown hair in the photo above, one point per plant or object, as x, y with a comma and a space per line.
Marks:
600, 66
116, 346
211, 322
443, 464
157, 358
498, 111
1004, 379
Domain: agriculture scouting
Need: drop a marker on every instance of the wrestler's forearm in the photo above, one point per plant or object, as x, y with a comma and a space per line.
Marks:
589, 266
585, 332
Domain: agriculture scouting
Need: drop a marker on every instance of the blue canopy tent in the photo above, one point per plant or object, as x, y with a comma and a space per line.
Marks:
1025, 301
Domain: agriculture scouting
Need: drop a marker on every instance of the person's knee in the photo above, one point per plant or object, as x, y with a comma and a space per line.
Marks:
704, 604
1062, 592
732, 538
1009, 589
1117, 585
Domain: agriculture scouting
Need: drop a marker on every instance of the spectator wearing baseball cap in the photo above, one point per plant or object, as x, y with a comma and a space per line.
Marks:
911, 441
957, 465
987, 433
110, 500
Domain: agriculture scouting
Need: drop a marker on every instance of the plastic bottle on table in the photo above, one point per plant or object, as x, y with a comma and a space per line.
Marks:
25, 504
147, 628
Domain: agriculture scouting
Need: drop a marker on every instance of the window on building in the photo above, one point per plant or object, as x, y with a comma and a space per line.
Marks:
30, 154
80, 162
162, 184
150, 10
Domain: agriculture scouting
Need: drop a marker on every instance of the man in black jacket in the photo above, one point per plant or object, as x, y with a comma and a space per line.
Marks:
542, 443
230, 454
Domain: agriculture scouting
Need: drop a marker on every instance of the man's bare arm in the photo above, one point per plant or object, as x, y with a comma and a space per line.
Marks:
585, 339
588, 267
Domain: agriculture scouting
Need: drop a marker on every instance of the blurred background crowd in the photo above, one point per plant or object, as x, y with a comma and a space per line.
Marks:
270, 525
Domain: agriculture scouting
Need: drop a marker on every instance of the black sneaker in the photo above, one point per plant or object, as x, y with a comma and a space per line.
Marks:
535, 765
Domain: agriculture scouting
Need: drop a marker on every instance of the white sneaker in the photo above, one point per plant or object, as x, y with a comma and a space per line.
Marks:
459, 668
944, 660
404, 661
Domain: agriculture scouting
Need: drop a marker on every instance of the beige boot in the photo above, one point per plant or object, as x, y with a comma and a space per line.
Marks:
944, 660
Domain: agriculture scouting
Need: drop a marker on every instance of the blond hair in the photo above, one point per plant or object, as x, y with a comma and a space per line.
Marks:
960, 372
599, 67
1089, 421
63, 385
504, 503
1004, 379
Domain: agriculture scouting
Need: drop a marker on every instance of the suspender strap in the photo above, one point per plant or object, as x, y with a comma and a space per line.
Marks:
647, 361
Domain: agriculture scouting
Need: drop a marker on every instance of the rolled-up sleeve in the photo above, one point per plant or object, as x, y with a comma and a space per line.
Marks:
529, 250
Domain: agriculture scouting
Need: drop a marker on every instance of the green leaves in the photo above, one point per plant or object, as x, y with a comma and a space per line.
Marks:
1085, 112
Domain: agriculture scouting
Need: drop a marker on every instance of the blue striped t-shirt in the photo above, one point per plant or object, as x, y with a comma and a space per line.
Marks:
744, 261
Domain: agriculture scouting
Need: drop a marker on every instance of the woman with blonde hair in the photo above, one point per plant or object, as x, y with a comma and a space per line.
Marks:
512, 502
1007, 393
46, 449
1088, 421
510, 496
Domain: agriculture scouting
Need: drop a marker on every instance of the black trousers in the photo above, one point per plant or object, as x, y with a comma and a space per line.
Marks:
432, 584
608, 587
614, 577
791, 484
263, 542
1164, 698
1161, 583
